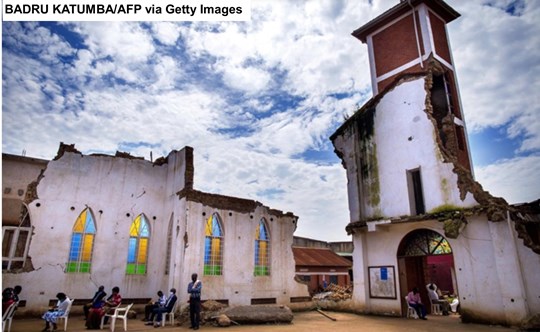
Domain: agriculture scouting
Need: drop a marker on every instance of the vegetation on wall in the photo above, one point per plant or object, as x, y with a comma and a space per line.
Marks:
369, 168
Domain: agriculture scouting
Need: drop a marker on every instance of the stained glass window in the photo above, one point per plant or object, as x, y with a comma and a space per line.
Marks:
425, 242
262, 250
139, 235
213, 246
82, 243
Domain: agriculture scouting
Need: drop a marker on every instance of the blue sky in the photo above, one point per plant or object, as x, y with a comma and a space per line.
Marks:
258, 100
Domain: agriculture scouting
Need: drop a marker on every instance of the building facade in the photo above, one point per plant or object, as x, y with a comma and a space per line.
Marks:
417, 215
139, 225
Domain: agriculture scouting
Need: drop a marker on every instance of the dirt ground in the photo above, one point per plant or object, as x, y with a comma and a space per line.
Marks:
310, 321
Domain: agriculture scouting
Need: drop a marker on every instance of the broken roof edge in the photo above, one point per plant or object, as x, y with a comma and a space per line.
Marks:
222, 202
14, 157
440, 7
70, 148
375, 100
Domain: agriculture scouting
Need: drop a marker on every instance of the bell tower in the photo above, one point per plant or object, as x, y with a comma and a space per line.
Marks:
401, 41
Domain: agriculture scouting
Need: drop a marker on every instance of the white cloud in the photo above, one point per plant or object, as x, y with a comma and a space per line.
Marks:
166, 32
497, 60
517, 180
249, 79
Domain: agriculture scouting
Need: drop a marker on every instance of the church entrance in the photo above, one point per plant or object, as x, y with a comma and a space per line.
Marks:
424, 257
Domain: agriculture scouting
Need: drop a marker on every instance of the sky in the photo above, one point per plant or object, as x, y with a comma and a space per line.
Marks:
258, 100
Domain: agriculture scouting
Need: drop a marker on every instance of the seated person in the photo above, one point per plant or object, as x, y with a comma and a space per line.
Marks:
97, 299
10, 296
414, 300
58, 310
434, 298
168, 307
153, 305
113, 301
454, 304
93, 321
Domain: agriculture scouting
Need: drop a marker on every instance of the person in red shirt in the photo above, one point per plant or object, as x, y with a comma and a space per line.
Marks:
113, 301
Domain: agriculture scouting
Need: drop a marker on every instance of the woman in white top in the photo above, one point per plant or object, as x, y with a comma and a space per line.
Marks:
58, 310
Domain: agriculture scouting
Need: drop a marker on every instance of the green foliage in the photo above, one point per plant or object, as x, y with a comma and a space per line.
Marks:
445, 208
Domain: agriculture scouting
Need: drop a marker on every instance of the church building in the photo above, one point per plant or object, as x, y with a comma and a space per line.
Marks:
80, 221
417, 216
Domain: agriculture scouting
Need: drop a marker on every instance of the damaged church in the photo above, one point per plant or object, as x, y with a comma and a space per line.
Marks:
417, 216
80, 221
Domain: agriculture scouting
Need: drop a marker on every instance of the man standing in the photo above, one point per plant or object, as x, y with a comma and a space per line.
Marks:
194, 290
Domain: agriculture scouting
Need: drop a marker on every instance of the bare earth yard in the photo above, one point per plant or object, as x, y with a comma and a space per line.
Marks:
310, 321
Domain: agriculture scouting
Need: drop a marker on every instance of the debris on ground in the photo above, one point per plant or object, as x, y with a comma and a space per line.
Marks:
260, 314
326, 315
335, 293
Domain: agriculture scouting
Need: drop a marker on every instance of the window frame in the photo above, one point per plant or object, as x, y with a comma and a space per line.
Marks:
262, 270
214, 267
78, 262
138, 266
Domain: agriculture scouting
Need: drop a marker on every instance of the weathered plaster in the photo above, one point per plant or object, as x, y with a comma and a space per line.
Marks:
119, 188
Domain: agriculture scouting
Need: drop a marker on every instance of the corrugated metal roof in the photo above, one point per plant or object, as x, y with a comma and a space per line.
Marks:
318, 257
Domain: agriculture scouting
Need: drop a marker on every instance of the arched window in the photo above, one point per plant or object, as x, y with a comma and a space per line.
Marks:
139, 234
213, 247
169, 245
82, 243
262, 250
424, 242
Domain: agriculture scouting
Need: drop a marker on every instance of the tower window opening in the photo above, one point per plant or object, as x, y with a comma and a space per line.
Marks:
416, 195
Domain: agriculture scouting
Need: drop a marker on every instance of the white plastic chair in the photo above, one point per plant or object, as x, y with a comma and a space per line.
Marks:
170, 315
119, 313
410, 310
7, 317
65, 316
436, 309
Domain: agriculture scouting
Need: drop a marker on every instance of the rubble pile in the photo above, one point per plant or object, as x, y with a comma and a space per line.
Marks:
335, 293
210, 309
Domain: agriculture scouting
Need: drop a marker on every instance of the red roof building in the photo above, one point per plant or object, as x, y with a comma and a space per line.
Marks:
320, 266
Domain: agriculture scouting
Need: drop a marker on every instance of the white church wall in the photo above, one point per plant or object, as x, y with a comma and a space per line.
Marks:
491, 280
345, 144
404, 137
117, 190
493, 285
529, 264
238, 284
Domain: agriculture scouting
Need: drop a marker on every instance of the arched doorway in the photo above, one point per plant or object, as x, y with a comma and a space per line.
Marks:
425, 256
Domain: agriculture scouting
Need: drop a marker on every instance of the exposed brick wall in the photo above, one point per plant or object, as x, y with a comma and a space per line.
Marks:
439, 38
226, 202
395, 46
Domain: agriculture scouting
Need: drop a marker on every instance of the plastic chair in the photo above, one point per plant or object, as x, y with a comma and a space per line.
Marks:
65, 316
119, 313
7, 317
436, 309
170, 315
410, 310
